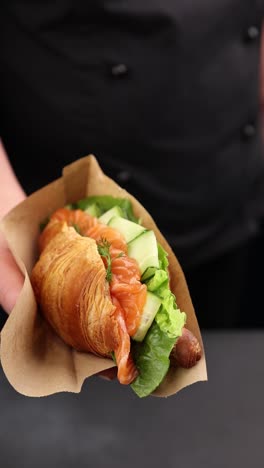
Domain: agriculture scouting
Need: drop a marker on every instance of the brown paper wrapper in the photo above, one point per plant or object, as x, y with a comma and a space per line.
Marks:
35, 360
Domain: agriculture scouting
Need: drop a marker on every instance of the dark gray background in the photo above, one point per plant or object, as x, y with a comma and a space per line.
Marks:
215, 424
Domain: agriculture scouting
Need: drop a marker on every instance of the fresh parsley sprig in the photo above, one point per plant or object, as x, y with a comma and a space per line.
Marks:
103, 247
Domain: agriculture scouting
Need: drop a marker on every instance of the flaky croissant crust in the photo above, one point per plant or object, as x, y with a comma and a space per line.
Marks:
73, 294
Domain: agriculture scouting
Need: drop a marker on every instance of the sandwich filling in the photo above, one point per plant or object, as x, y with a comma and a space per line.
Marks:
145, 309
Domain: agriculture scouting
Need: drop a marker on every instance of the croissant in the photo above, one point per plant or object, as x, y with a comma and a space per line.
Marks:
69, 284
94, 299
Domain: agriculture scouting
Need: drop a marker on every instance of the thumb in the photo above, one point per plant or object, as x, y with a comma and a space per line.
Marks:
11, 278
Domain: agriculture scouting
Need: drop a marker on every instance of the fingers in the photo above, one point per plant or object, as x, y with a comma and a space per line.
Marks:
11, 278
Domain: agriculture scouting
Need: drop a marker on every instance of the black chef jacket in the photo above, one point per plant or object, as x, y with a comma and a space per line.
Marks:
164, 93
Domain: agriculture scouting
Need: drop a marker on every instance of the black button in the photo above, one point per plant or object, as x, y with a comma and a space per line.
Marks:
119, 70
252, 33
123, 176
249, 130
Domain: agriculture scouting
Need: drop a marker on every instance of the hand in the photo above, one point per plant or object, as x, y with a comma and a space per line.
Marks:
11, 278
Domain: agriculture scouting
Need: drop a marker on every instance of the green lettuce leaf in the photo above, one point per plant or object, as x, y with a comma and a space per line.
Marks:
158, 282
105, 202
163, 258
152, 356
169, 317
152, 359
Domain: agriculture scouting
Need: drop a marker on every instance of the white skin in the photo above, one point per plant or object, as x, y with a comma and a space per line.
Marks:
11, 193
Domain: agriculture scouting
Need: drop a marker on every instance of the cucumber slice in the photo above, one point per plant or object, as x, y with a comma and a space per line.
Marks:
115, 211
144, 250
150, 309
93, 210
127, 228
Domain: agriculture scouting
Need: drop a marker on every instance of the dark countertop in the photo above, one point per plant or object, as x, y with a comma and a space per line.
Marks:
214, 424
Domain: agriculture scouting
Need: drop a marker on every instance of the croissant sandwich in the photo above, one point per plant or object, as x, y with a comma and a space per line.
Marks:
103, 283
